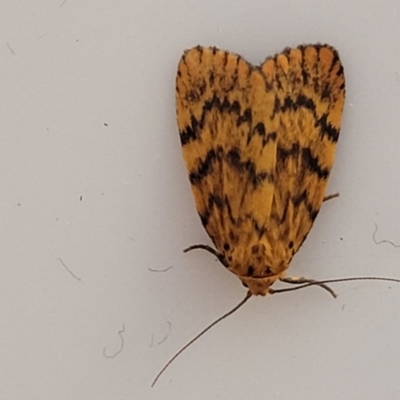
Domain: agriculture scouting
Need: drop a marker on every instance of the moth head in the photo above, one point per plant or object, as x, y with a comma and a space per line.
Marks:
258, 266
259, 286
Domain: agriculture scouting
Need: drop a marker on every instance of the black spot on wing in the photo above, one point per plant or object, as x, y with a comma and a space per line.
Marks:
268, 271
250, 270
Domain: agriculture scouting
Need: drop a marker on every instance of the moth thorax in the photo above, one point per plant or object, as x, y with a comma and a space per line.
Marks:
258, 265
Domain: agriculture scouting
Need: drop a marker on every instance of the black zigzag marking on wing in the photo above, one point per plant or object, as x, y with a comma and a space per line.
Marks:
327, 130
256, 177
312, 164
193, 130
233, 158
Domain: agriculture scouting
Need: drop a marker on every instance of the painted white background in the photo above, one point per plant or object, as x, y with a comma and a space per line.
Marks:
91, 176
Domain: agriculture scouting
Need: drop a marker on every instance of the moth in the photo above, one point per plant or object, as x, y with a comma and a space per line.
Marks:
259, 144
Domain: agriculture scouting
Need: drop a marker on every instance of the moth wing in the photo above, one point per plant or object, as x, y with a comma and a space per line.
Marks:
222, 108
309, 88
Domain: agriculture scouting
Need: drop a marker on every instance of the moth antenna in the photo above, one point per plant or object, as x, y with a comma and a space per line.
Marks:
203, 247
302, 281
248, 295
322, 283
210, 250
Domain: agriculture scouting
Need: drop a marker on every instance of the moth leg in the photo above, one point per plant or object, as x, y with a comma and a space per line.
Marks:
306, 282
331, 196
214, 252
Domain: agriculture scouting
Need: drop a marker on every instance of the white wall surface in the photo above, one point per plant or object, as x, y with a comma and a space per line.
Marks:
94, 194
